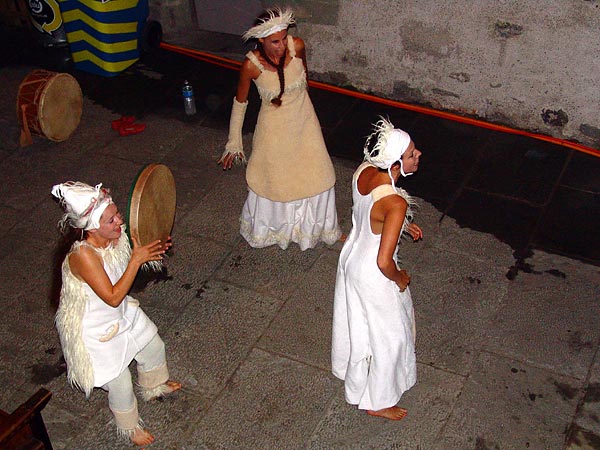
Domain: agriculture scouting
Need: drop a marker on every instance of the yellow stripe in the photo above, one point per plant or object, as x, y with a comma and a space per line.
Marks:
115, 5
57, 21
116, 47
106, 28
108, 66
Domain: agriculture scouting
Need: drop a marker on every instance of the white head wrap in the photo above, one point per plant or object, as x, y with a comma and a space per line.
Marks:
83, 204
278, 20
389, 148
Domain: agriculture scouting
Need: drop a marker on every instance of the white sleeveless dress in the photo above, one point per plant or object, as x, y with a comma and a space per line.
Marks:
98, 340
373, 342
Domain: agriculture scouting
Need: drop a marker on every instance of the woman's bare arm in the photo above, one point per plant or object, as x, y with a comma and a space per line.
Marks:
300, 48
394, 214
248, 72
88, 266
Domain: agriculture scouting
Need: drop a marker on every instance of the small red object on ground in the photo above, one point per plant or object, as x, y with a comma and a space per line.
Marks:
122, 122
134, 128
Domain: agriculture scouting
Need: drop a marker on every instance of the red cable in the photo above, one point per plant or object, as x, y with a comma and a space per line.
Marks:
235, 65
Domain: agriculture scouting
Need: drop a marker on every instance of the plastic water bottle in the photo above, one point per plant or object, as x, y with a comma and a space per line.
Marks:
188, 99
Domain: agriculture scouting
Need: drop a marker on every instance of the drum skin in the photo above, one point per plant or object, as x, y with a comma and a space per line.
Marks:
152, 203
49, 104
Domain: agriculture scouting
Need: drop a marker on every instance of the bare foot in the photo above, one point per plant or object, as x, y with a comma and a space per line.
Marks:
160, 391
172, 386
142, 437
392, 413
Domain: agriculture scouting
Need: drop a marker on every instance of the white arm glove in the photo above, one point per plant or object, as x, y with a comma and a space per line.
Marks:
234, 144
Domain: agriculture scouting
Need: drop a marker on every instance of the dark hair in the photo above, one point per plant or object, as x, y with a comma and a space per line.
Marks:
280, 64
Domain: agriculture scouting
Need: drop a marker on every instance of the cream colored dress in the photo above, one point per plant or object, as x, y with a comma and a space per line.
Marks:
290, 175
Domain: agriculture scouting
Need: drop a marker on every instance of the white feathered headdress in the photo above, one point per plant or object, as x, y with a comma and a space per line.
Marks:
82, 203
390, 146
279, 19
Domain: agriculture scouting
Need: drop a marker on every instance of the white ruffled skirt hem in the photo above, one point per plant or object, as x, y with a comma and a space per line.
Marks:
306, 221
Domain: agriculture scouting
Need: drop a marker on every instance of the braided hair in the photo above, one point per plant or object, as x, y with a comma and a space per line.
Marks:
279, 66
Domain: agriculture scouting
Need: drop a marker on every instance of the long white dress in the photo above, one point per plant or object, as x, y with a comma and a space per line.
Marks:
99, 341
290, 176
373, 344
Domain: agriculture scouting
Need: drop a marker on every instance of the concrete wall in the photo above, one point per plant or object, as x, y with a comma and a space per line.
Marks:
177, 17
523, 63
227, 16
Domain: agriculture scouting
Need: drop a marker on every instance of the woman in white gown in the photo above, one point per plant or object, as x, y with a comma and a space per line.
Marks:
290, 176
373, 344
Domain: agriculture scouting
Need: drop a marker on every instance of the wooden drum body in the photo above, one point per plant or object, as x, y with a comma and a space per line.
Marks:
48, 104
152, 203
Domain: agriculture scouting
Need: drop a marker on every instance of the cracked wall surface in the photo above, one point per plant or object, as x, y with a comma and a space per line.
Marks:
525, 64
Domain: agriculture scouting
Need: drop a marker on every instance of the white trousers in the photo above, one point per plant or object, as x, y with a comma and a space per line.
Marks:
151, 367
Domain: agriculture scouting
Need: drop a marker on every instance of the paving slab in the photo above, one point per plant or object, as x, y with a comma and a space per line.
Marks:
22, 273
538, 326
301, 330
508, 404
196, 171
268, 270
218, 220
429, 404
179, 285
588, 414
271, 402
454, 302
214, 334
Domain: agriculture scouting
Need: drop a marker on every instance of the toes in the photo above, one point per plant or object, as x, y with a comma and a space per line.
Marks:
173, 385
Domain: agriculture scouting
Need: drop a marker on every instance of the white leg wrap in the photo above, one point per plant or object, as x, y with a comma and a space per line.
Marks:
128, 421
153, 383
235, 144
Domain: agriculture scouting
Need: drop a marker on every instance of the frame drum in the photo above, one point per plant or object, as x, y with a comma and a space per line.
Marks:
152, 202
48, 104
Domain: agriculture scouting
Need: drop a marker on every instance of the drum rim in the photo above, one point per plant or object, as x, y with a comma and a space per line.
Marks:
73, 81
45, 79
150, 167
23, 83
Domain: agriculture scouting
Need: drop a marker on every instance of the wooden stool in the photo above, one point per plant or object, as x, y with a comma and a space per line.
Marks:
25, 428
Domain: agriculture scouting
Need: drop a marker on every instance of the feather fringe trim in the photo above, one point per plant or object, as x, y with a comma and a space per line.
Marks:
68, 321
128, 433
381, 132
69, 317
412, 207
153, 266
152, 393
267, 95
279, 19
119, 255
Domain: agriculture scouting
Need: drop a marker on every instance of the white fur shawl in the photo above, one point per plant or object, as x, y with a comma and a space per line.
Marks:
69, 317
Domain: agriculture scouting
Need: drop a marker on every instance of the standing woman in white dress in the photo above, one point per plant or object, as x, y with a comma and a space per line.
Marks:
290, 176
373, 343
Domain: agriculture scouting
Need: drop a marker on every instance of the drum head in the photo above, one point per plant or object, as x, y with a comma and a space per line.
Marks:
152, 202
60, 107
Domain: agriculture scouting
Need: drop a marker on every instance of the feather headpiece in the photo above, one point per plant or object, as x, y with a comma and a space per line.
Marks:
279, 19
390, 145
83, 204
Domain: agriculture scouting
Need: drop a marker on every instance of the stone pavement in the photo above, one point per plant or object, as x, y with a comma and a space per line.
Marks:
502, 364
